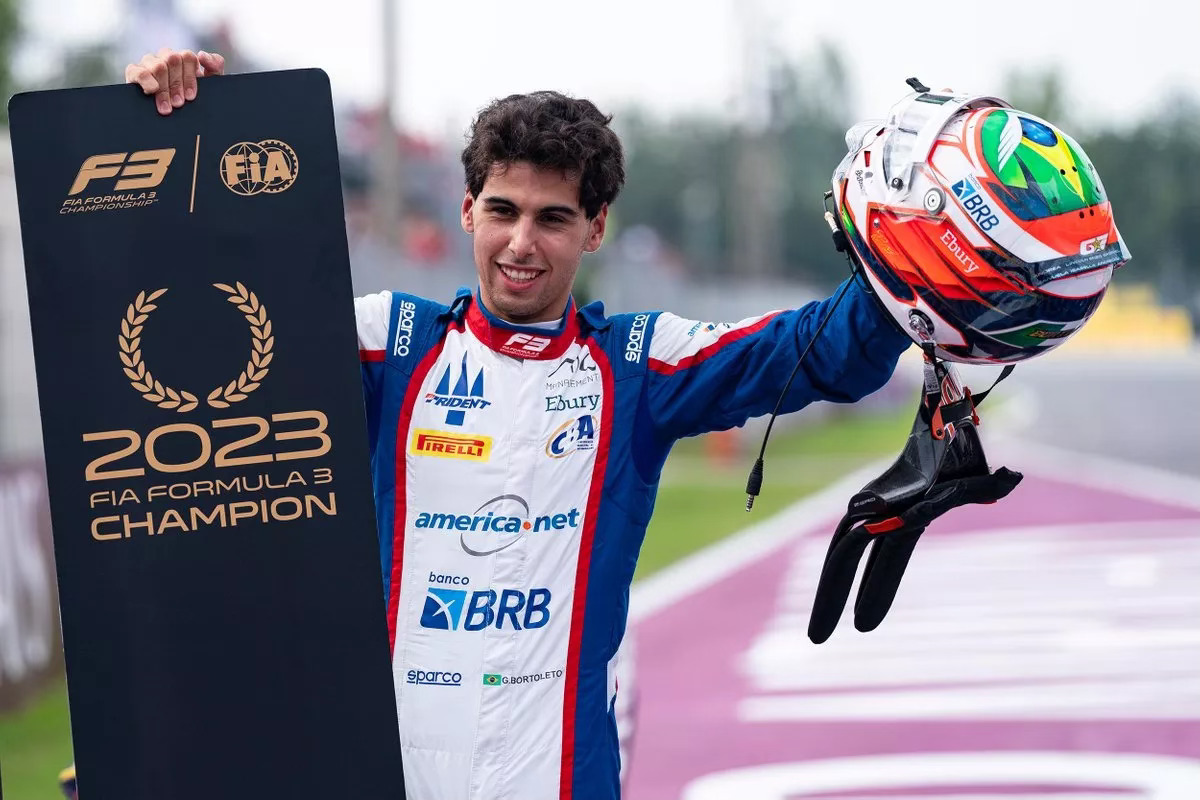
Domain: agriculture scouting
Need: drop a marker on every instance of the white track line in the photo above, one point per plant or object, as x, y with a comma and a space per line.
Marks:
708, 566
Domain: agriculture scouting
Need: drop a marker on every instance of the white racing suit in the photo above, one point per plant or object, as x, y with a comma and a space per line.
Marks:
515, 472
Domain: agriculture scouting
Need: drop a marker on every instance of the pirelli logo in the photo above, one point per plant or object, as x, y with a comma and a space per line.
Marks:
465, 446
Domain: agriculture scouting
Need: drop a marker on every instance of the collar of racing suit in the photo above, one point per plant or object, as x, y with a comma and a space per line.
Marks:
526, 341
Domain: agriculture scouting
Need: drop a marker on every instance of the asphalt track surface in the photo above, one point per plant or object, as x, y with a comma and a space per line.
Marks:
1043, 648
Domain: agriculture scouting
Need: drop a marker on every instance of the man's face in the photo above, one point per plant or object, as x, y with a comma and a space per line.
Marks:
529, 234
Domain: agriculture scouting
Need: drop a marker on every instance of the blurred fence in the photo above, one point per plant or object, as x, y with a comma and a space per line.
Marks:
29, 634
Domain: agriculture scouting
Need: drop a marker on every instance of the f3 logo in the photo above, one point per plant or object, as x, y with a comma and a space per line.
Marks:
143, 169
524, 344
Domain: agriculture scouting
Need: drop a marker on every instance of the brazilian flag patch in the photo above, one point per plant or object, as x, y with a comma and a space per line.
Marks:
492, 679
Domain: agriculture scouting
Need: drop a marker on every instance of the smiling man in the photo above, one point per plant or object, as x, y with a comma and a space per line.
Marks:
517, 442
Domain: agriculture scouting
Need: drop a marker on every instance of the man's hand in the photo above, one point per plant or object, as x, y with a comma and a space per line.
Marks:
171, 75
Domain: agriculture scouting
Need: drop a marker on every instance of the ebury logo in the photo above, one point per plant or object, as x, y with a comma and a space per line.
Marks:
461, 398
959, 252
497, 524
143, 381
249, 168
467, 447
94, 189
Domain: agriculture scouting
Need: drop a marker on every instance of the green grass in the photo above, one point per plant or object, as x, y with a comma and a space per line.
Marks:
700, 500
35, 744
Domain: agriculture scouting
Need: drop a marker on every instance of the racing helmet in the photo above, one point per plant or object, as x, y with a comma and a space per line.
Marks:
983, 230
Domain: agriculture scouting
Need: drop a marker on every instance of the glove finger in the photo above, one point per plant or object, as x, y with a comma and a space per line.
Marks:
881, 578
833, 588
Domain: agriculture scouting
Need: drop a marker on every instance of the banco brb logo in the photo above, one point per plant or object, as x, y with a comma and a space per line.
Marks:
268, 166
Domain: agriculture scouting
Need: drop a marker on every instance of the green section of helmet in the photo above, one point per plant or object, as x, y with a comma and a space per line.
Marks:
1042, 162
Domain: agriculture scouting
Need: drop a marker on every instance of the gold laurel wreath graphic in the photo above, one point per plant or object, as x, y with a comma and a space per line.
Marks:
260, 356
140, 377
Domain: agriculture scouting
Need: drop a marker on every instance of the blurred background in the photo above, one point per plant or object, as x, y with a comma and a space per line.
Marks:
732, 115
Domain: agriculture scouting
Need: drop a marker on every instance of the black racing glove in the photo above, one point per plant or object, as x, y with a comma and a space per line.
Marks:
941, 467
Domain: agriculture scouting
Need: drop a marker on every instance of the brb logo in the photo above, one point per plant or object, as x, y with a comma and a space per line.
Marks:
269, 166
460, 399
968, 193
455, 609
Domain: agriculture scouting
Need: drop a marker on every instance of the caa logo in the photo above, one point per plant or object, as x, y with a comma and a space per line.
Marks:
450, 609
420, 677
460, 399
576, 434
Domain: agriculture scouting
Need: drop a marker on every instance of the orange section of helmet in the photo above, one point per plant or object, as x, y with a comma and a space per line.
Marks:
934, 251
1070, 233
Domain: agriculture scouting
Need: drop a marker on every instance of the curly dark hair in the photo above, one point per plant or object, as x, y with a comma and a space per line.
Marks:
551, 131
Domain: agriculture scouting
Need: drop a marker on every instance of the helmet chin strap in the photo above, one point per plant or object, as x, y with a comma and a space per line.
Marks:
942, 466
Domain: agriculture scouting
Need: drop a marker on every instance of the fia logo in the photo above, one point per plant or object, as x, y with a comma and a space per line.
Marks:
249, 168
460, 399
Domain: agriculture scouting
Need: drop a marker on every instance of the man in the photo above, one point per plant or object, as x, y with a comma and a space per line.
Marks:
517, 442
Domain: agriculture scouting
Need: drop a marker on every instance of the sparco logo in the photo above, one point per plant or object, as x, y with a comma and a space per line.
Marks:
633, 348
420, 677
404, 325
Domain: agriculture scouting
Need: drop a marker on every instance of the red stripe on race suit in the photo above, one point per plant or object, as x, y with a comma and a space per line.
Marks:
401, 507
579, 604
371, 355
667, 368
